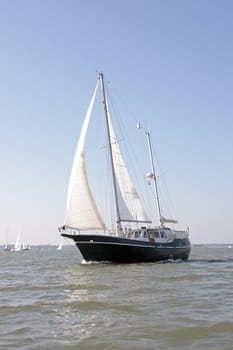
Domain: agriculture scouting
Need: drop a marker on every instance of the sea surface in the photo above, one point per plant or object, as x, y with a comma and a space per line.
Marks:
49, 300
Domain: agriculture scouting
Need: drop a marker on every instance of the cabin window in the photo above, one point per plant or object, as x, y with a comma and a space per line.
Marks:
156, 234
163, 234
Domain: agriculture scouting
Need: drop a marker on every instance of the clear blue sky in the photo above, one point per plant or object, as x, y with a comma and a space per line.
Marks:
170, 60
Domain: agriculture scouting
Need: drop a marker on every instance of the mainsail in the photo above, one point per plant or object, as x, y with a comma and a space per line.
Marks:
82, 212
130, 206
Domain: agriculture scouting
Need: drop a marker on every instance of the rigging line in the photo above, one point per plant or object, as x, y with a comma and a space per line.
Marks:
162, 184
131, 155
166, 202
149, 195
105, 178
109, 207
132, 205
92, 163
108, 122
122, 101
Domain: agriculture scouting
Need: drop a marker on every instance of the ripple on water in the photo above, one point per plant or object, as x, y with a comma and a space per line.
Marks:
50, 301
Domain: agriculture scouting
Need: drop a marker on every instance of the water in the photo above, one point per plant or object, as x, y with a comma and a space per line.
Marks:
49, 300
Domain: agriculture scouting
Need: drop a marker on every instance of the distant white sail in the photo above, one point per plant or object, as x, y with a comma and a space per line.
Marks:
130, 206
60, 245
17, 245
82, 212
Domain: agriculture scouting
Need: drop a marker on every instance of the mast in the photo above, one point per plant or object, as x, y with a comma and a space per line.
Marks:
101, 75
153, 176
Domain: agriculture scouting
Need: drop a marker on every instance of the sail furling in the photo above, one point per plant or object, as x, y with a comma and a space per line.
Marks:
164, 220
81, 210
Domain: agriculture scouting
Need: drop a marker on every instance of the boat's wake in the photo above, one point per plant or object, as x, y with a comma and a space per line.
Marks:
171, 261
168, 261
84, 262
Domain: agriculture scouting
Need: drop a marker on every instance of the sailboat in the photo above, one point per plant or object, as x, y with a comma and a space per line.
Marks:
17, 246
25, 246
60, 245
7, 247
134, 239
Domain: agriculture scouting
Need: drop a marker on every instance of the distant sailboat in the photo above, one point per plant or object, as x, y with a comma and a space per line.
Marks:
7, 247
60, 245
25, 246
17, 246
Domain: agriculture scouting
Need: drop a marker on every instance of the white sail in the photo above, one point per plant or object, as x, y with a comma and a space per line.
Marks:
82, 212
17, 245
60, 245
130, 206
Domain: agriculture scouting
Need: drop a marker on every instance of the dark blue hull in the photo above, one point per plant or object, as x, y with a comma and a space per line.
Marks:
123, 250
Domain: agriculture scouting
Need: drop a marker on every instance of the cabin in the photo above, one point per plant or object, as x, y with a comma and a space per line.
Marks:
158, 235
